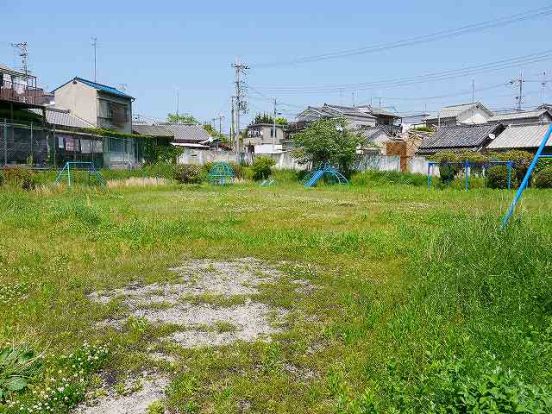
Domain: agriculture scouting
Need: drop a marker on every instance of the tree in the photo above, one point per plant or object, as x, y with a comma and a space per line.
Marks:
263, 119
182, 119
281, 121
327, 141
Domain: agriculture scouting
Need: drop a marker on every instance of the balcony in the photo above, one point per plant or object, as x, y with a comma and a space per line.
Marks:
21, 93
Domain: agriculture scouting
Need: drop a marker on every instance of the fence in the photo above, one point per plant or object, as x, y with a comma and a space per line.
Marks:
40, 147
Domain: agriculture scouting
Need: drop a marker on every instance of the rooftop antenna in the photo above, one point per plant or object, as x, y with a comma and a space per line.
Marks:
95, 46
23, 54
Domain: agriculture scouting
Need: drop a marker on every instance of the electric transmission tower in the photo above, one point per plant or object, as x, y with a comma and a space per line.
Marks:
240, 102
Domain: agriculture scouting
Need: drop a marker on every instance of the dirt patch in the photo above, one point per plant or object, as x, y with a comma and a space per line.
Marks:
204, 325
150, 388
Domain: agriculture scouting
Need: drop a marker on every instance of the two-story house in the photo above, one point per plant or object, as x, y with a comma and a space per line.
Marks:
100, 105
264, 138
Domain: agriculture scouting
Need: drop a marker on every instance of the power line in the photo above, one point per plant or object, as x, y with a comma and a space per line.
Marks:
426, 38
430, 77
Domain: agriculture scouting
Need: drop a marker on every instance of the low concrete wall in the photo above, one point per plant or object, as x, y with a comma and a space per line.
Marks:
379, 163
418, 165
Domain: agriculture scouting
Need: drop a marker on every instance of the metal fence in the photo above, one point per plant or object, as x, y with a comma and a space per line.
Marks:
37, 146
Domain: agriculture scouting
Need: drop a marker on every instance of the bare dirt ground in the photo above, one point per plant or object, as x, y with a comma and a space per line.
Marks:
202, 304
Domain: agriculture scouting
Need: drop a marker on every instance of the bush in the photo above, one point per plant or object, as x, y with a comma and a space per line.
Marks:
388, 177
521, 160
543, 179
497, 177
189, 174
20, 177
447, 172
262, 167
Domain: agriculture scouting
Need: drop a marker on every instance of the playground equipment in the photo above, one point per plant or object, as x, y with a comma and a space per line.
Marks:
221, 173
525, 182
325, 171
468, 166
269, 182
71, 166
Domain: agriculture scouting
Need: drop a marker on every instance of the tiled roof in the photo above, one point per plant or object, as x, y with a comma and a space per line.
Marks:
520, 136
152, 130
63, 118
188, 133
458, 137
512, 116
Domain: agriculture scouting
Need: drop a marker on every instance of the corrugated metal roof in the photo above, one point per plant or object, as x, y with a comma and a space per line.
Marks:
460, 137
512, 116
152, 130
11, 71
520, 136
188, 133
63, 118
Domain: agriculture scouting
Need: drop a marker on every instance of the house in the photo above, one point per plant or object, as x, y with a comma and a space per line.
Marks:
526, 137
181, 135
464, 114
377, 138
100, 105
262, 138
383, 116
460, 138
540, 115
23, 135
355, 117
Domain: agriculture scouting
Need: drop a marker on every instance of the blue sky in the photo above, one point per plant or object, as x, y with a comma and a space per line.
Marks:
156, 48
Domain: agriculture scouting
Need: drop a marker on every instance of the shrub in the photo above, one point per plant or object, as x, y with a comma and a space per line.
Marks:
20, 177
521, 160
497, 177
543, 179
262, 167
238, 170
447, 172
189, 174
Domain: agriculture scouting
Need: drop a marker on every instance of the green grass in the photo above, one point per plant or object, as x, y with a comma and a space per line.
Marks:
422, 303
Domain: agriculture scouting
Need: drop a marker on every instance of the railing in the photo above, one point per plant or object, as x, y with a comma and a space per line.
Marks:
21, 93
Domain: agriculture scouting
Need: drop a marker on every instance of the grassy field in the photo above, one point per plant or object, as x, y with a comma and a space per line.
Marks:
421, 303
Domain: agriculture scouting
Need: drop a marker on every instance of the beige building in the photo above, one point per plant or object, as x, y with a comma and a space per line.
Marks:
100, 105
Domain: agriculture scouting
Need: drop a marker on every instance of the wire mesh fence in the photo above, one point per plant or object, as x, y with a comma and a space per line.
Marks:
40, 147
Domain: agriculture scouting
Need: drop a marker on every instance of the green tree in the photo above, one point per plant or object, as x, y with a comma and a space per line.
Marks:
327, 141
263, 119
182, 119
281, 121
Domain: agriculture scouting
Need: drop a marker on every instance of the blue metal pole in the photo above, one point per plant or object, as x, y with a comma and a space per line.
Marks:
428, 175
525, 181
509, 165
466, 173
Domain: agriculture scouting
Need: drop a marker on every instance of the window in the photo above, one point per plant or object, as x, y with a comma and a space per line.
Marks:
115, 112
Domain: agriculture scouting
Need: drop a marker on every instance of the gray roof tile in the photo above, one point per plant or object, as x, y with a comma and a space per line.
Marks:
63, 118
458, 137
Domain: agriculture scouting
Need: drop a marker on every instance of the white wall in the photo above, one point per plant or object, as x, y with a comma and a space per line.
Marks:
79, 99
474, 116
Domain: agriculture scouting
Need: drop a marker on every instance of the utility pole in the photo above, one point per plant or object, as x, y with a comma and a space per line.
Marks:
353, 96
23, 54
241, 103
177, 102
95, 46
232, 124
473, 91
520, 82
274, 124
